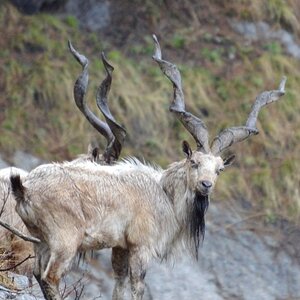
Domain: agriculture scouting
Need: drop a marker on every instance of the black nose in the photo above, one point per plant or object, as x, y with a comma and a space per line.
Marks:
207, 184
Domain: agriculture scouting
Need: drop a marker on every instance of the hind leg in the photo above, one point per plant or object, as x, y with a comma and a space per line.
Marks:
43, 260
59, 262
42, 255
119, 260
50, 279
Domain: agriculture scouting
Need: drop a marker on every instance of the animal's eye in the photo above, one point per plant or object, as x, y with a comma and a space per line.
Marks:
194, 164
220, 170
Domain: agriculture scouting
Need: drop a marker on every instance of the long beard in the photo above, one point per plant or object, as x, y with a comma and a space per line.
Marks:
197, 221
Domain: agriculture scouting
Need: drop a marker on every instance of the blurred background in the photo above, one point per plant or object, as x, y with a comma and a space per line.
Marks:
228, 52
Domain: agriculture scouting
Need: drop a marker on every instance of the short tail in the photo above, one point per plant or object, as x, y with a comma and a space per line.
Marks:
17, 188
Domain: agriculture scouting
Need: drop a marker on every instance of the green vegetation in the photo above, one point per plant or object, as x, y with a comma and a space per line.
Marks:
71, 21
213, 55
178, 41
274, 48
38, 114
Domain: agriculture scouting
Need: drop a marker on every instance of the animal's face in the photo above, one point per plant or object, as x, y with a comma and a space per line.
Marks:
204, 170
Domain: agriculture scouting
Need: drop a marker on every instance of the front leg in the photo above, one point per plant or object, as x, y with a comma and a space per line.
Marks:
119, 261
137, 269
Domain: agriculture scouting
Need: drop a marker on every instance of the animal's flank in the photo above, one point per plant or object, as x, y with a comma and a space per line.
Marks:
17, 187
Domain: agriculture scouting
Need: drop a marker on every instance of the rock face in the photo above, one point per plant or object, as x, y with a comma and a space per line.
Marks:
3, 164
35, 6
241, 258
263, 31
92, 14
26, 161
22, 160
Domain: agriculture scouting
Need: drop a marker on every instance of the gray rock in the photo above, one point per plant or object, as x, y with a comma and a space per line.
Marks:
263, 31
92, 14
35, 6
3, 164
24, 291
26, 161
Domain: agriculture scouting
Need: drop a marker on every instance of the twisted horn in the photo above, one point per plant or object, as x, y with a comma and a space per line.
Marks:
80, 88
112, 131
113, 150
233, 135
194, 125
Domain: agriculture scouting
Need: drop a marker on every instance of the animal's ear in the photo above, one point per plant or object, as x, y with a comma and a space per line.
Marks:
95, 153
187, 149
229, 160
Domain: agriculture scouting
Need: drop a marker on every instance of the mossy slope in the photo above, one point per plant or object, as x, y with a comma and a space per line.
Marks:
38, 114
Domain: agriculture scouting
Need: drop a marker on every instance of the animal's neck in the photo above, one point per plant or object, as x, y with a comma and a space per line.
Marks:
189, 207
175, 184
